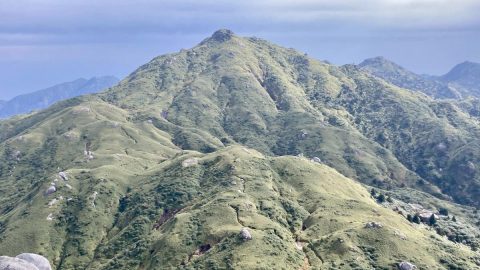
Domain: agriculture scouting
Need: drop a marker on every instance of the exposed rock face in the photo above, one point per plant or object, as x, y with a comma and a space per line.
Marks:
190, 162
9, 263
63, 175
39, 261
16, 155
373, 225
222, 35
425, 216
406, 266
245, 234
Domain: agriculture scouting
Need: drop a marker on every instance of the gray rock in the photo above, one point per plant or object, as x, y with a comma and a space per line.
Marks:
39, 261
9, 263
63, 175
373, 225
245, 234
316, 159
190, 162
406, 266
50, 190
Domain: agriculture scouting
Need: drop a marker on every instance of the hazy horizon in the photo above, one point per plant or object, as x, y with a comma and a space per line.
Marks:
49, 42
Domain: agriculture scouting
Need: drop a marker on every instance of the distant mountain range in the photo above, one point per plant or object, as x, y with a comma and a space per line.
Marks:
461, 82
43, 98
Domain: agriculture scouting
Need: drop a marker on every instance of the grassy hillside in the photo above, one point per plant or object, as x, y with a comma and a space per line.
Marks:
279, 101
164, 170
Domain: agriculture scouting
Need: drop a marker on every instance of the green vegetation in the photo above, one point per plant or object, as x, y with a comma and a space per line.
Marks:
165, 169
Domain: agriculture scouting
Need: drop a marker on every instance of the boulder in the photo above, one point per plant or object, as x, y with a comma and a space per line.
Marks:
39, 261
16, 155
63, 175
373, 225
316, 159
9, 263
245, 234
190, 162
406, 266
52, 202
50, 190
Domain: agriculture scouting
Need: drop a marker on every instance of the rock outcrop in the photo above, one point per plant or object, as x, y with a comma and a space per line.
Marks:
25, 261
39, 261
245, 234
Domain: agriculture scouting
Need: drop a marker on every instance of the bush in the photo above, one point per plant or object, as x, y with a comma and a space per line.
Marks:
409, 218
443, 211
432, 220
416, 219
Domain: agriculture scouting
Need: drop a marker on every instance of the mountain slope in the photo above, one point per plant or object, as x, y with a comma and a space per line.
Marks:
164, 170
404, 78
465, 78
280, 102
46, 97
113, 211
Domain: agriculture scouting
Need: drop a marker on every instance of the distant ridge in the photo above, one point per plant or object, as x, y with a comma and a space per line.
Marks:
465, 77
43, 98
462, 81
399, 76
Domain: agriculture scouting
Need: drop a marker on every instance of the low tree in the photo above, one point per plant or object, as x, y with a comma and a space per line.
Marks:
381, 198
416, 219
454, 219
443, 211
432, 220
409, 218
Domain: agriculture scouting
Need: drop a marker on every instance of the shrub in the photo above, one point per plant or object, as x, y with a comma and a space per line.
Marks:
443, 211
432, 220
409, 218
416, 219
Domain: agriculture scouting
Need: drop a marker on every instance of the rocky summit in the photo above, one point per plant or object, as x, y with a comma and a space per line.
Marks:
241, 154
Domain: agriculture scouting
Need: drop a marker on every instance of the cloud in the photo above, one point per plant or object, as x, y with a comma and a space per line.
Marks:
87, 16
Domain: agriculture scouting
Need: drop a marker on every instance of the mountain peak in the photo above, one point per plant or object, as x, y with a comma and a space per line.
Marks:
222, 35
378, 60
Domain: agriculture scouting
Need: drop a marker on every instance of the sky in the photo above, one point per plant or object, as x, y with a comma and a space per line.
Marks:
45, 42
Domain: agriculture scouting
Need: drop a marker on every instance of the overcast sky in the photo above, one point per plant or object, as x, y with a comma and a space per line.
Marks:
44, 42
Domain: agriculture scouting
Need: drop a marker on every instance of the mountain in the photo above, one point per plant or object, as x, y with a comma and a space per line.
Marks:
241, 154
399, 76
465, 78
43, 98
459, 83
